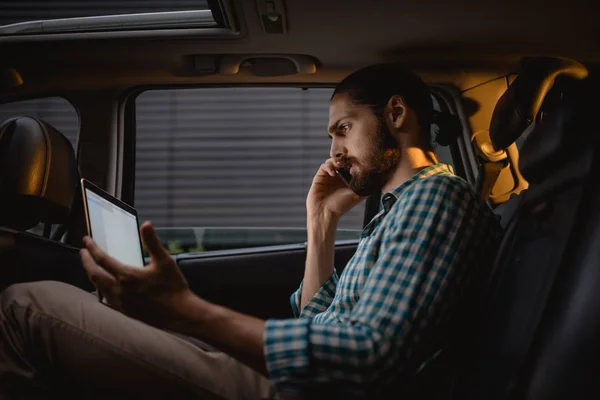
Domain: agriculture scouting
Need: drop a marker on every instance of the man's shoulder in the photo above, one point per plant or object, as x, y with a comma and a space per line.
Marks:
442, 197
451, 193
443, 184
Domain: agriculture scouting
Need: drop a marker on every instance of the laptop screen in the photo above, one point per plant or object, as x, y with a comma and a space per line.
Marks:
114, 230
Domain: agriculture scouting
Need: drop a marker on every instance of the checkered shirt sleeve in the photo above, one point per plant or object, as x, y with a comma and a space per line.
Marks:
319, 302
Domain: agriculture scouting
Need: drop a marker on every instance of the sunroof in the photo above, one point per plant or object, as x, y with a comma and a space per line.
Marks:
61, 16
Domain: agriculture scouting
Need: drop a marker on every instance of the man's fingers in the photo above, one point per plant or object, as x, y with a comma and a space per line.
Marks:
153, 243
107, 262
99, 277
329, 167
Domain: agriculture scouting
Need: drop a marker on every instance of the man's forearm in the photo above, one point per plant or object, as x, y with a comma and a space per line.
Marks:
241, 336
234, 333
319, 256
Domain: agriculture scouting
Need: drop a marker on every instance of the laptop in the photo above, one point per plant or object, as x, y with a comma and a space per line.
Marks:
112, 224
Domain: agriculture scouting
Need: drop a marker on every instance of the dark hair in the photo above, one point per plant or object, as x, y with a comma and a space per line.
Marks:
376, 84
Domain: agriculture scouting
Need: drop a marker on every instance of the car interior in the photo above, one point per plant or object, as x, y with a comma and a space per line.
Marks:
210, 118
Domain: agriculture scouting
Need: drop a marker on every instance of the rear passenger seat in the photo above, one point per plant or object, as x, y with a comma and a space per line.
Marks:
540, 325
38, 182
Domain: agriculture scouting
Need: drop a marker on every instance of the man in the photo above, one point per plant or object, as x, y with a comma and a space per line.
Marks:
356, 334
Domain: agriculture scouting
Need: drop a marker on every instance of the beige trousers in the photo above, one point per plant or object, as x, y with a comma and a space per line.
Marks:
56, 338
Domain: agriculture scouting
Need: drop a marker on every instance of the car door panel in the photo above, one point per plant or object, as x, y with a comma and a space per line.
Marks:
254, 282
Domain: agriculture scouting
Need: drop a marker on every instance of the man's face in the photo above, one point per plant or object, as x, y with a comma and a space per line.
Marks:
363, 144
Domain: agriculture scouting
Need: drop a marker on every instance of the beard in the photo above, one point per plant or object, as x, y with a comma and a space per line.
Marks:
378, 164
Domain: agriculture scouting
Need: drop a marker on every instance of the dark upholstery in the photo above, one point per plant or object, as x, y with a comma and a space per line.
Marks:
564, 358
25, 257
540, 316
38, 174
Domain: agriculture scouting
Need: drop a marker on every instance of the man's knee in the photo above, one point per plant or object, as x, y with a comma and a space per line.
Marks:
40, 295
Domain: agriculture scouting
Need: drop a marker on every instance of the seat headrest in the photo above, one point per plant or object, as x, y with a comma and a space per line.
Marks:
563, 131
519, 105
38, 174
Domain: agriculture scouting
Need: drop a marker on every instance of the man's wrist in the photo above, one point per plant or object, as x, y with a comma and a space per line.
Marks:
322, 222
321, 231
192, 312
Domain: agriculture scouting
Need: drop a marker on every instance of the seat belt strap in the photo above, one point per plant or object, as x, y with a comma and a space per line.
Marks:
491, 171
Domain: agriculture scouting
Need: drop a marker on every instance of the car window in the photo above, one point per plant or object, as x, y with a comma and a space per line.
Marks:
31, 17
443, 153
222, 168
227, 168
15, 11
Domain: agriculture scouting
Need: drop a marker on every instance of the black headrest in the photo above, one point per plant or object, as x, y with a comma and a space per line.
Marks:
563, 131
519, 105
38, 174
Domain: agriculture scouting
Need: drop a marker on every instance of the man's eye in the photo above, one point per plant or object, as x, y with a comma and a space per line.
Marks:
345, 128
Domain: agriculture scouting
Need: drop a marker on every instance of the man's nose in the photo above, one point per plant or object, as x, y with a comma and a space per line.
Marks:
336, 150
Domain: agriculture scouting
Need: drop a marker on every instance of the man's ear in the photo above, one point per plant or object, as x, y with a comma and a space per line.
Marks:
396, 111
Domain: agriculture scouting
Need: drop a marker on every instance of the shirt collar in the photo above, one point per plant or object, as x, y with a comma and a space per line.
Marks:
390, 198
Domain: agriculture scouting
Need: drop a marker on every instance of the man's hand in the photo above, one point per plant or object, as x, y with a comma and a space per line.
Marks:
329, 197
156, 293
159, 295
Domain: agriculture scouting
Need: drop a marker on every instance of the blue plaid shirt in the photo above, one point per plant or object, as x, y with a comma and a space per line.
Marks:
395, 298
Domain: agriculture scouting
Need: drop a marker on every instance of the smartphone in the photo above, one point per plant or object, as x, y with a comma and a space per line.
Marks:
344, 173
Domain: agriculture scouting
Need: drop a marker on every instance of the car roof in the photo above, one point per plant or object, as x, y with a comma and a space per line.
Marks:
459, 42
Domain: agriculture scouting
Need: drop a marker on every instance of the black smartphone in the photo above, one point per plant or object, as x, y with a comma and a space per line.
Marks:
344, 173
